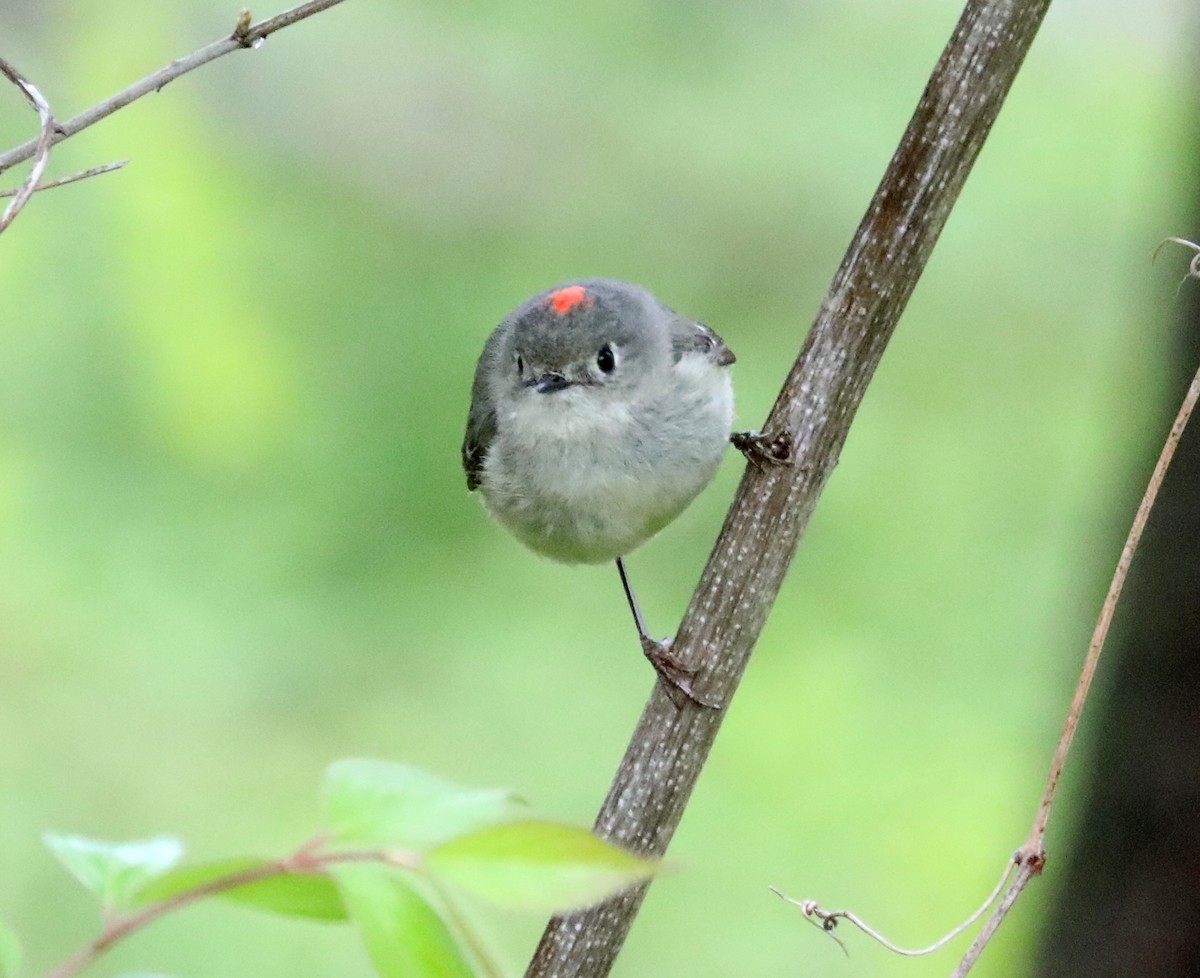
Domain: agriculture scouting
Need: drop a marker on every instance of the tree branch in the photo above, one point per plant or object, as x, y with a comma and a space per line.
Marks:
93, 171
814, 409
41, 145
245, 35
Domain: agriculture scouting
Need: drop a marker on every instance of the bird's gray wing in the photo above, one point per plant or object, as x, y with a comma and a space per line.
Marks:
689, 336
481, 418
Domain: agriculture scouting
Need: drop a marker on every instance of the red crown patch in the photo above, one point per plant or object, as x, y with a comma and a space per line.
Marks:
567, 298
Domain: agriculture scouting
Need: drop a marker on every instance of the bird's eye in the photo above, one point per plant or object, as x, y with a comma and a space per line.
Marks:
606, 360
520, 364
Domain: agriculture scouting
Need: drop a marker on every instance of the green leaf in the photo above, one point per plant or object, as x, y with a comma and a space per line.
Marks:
311, 895
386, 803
10, 952
115, 871
537, 866
405, 936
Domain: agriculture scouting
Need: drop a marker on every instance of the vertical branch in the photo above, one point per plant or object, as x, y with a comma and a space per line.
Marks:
813, 413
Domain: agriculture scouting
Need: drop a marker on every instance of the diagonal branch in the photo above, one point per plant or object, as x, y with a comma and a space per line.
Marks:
814, 409
245, 35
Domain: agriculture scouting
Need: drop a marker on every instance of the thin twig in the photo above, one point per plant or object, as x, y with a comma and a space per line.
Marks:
1106, 611
41, 145
1032, 855
1193, 265
242, 37
122, 927
306, 859
1027, 869
94, 171
827, 920
461, 927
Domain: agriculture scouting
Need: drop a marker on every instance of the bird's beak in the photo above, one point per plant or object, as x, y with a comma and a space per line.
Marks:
547, 383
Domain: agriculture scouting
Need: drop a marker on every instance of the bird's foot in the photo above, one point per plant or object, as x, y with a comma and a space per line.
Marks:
764, 448
675, 676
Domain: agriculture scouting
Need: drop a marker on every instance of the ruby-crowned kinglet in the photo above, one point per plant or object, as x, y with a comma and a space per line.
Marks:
597, 415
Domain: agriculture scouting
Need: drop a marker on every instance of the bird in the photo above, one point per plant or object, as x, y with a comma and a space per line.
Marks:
597, 415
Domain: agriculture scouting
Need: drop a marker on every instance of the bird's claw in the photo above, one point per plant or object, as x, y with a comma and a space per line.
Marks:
764, 448
675, 676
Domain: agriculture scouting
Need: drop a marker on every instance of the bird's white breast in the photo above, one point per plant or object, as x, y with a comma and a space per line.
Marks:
583, 477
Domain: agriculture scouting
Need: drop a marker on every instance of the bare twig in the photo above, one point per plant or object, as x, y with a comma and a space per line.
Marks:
242, 37
1031, 857
466, 933
1027, 869
94, 171
827, 920
815, 408
1193, 265
41, 145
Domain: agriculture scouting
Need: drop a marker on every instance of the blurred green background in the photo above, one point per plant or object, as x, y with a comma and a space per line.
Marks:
235, 540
